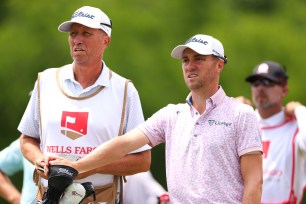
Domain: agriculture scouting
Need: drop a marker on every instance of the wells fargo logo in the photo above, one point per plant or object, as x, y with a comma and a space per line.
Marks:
74, 124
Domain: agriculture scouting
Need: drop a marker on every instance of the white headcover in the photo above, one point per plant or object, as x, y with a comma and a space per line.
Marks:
73, 194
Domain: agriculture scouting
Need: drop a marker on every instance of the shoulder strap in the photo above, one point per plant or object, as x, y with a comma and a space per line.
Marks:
36, 177
122, 178
123, 107
38, 100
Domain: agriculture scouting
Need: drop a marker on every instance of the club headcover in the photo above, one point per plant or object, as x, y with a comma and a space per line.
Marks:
77, 192
60, 177
73, 194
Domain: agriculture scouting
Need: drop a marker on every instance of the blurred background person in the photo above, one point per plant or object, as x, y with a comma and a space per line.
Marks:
11, 162
283, 134
142, 188
244, 100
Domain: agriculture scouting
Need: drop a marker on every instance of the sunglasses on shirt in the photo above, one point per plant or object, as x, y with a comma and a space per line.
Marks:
264, 82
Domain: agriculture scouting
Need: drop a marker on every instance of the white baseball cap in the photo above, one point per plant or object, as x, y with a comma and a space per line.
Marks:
90, 17
202, 44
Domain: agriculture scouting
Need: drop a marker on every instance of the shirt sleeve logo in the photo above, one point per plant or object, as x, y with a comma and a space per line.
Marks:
74, 124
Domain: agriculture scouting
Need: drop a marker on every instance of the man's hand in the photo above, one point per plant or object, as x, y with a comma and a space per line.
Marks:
42, 165
290, 108
53, 160
40, 168
244, 100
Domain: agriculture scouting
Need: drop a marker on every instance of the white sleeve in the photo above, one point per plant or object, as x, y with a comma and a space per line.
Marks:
29, 124
134, 115
300, 114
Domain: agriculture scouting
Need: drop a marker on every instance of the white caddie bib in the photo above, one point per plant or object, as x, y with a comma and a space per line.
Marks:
279, 150
72, 127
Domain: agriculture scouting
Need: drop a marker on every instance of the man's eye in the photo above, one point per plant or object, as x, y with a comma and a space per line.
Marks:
184, 60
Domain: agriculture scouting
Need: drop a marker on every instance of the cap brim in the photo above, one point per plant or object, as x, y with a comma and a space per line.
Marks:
65, 26
256, 76
177, 52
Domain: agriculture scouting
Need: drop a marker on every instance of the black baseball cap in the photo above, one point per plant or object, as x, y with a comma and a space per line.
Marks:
269, 70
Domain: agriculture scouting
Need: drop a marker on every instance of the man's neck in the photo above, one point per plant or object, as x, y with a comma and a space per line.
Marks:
87, 75
199, 98
267, 113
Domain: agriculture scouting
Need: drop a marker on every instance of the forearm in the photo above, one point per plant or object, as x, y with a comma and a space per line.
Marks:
8, 191
251, 169
252, 194
30, 148
113, 151
128, 165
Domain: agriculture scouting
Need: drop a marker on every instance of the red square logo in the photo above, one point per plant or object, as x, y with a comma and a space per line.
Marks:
74, 123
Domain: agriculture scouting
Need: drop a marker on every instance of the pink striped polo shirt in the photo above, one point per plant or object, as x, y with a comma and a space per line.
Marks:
203, 151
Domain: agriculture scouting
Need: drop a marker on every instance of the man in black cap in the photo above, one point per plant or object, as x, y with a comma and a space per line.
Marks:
283, 135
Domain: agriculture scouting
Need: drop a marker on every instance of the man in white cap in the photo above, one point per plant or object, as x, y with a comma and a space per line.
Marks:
79, 106
213, 142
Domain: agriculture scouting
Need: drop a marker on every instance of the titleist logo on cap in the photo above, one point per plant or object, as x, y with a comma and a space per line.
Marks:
81, 14
196, 40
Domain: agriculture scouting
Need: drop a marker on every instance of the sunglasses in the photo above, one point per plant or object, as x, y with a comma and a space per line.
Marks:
264, 82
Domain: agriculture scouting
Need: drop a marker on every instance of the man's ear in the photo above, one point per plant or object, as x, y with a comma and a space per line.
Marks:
285, 90
220, 65
106, 41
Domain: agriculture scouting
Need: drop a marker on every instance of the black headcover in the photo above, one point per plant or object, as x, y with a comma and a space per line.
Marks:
60, 177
